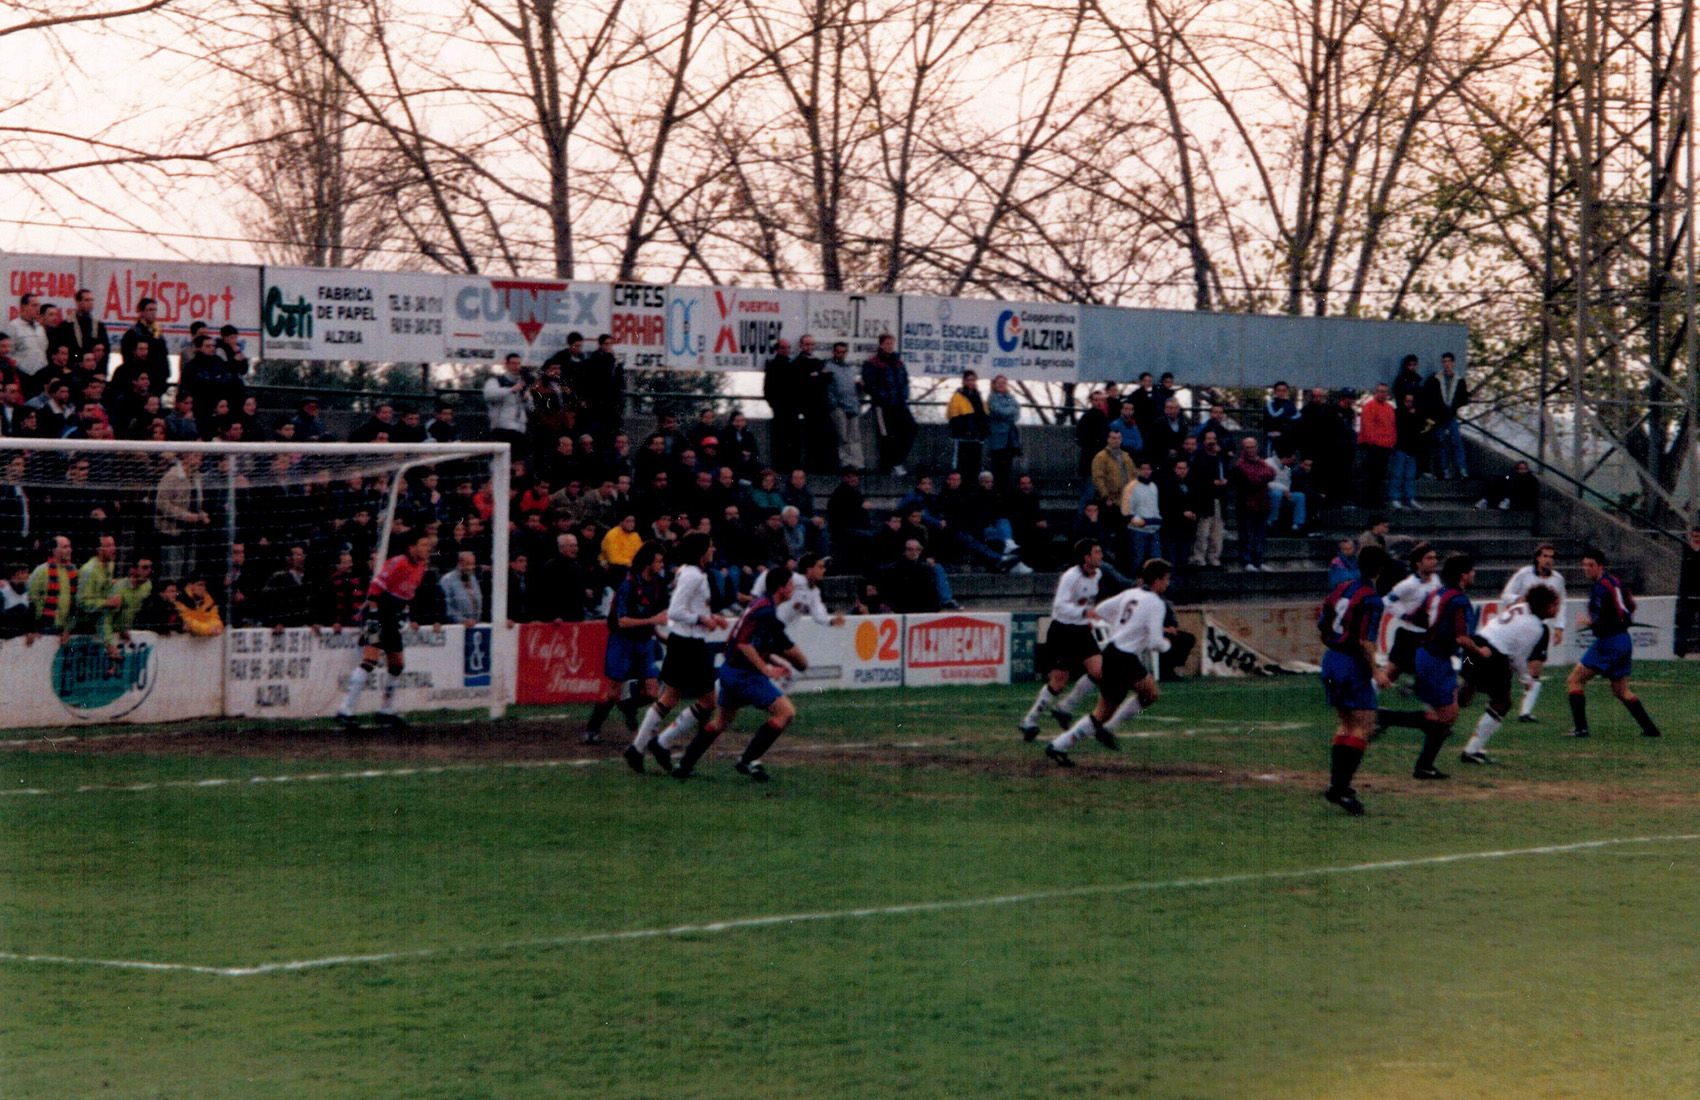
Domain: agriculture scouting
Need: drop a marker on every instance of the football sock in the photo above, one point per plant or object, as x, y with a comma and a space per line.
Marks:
1642, 718
598, 715
1410, 719
646, 728
356, 684
1040, 706
698, 746
1531, 692
1081, 729
388, 705
1579, 710
1076, 695
761, 742
1131, 706
1486, 726
1434, 736
1344, 756
693, 719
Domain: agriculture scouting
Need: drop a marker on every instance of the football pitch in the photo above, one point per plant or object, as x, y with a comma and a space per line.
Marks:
917, 904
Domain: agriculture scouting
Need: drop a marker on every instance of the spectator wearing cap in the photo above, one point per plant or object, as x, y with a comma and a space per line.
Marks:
232, 350
308, 427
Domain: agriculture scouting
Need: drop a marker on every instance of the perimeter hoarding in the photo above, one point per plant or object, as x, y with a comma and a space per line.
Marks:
54, 278
865, 652
956, 648
152, 678
1021, 339
368, 316
730, 328
857, 319
638, 323
303, 673
489, 316
219, 294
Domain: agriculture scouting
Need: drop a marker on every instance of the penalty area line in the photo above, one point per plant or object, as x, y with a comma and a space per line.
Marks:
867, 912
301, 777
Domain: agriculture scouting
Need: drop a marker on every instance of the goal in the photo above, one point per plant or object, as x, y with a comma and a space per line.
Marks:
266, 547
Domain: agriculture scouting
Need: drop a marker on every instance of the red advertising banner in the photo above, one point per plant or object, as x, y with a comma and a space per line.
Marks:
560, 662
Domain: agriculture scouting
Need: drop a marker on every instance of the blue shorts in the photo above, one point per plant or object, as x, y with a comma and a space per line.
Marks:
740, 688
1347, 682
1611, 657
629, 659
1437, 680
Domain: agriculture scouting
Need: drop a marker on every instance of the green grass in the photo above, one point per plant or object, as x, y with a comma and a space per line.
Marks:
1550, 975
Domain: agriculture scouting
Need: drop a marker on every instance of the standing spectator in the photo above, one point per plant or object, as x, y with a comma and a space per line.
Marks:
1378, 433
1177, 505
1280, 417
1164, 436
1112, 469
1147, 407
1210, 490
85, 329
601, 386
738, 444
1411, 443
1003, 443
209, 379
521, 596
1218, 422
1251, 477
813, 384
96, 602
782, 388
849, 518
1409, 380
1133, 439
463, 597
969, 426
377, 427
17, 511
232, 351
443, 428
1688, 596
198, 610
844, 400
1518, 491
551, 409
287, 599
11, 406
344, 592
1141, 504
1444, 394
504, 398
53, 589
142, 347
180, 515
885, 380
29, 343
1091, 431
562, 591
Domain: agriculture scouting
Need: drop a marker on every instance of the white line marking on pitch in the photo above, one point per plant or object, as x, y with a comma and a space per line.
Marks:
306, 777
739, 923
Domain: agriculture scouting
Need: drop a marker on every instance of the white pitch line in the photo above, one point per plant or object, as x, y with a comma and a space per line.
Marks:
740, 923
303, 777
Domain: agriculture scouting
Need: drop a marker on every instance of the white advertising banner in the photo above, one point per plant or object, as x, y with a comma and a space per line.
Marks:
1021, 339
368, 316
638, 323
865, 652
54, 279
730, 328
857, 319
219, 294
297, 673
491, 316
153, 678
956, 648
1223, 654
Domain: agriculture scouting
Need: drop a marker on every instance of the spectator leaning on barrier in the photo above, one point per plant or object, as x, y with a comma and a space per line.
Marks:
96, 601
17, 618
198, 610
969, 426
53, 589
132, 591
885, 381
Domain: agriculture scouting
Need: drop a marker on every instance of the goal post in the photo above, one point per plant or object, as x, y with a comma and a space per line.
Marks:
236, 515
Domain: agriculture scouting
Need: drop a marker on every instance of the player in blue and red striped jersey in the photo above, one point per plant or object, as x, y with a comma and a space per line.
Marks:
1611, 612
387, 600
753, 662
1348, 621
638, 607
1451, 630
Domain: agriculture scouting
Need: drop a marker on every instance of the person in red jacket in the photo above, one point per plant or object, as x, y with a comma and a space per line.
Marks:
1377, 435
1251, 476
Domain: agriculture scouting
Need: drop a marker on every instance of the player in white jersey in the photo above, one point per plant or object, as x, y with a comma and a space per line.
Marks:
1134, 618
1516, 638
1403, 611
688, 670
1517, 588
806, 600
1070, 648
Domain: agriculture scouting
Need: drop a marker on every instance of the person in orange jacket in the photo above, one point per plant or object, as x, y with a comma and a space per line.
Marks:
1377, 435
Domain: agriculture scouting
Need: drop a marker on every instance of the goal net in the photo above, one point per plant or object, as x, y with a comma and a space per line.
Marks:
266, 547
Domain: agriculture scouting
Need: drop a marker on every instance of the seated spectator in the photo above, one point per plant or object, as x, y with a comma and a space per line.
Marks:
198, 611
1282, 491
159, 612
180, 426
443, 428
1518, 491
1142, 505
1025, 511
1344, 566
966, 516
800, 538
1376, 534
765, 496
621, 543
377, 426
738, 445
704, 428
909, 585
308, 427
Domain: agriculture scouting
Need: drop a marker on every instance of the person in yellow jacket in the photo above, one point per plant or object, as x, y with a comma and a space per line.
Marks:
621, 543
198, 611
969, 426
1112, 469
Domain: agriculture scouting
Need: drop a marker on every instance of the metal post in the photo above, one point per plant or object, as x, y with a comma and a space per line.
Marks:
500, 477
